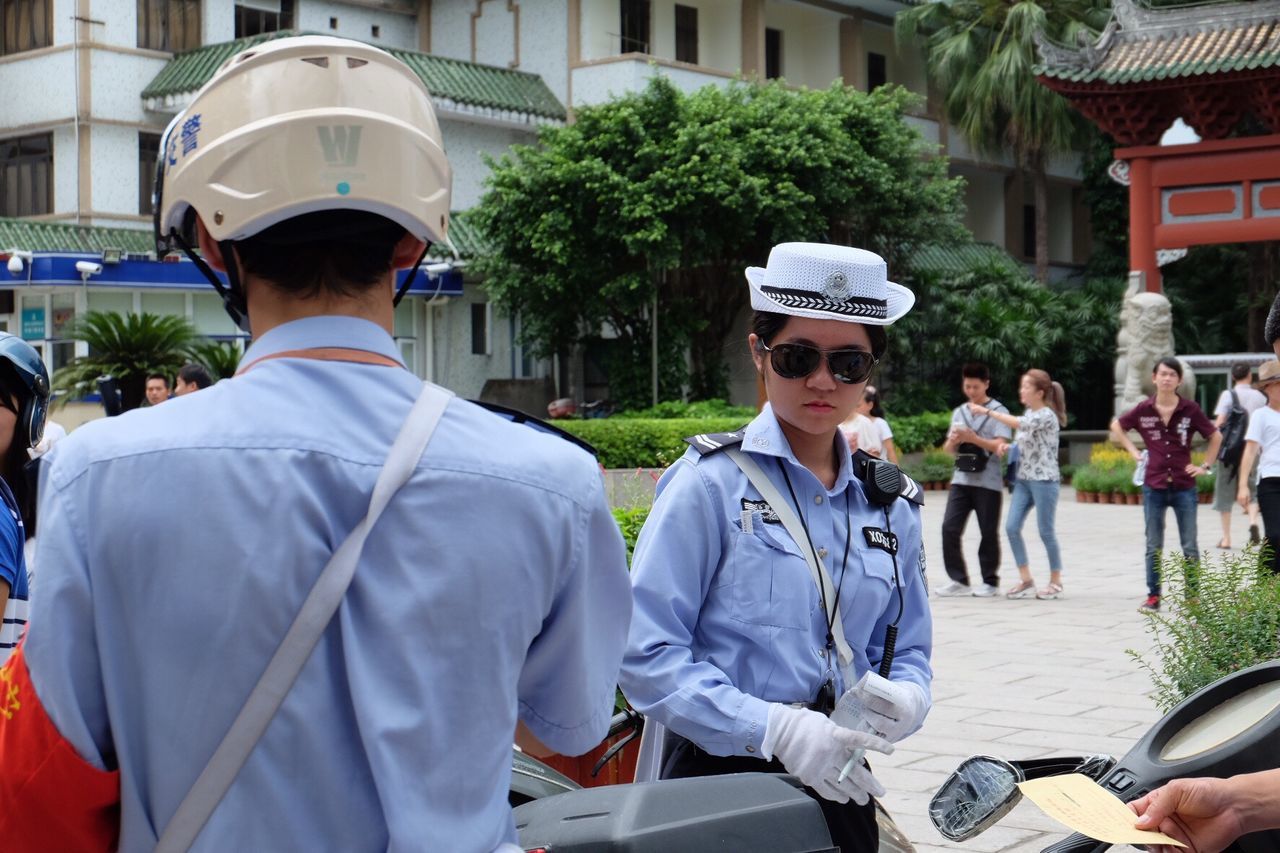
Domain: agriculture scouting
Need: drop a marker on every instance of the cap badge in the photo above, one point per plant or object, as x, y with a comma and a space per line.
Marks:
837, 288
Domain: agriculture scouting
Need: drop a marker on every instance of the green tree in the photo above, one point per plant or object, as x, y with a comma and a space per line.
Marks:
980, 55
220, 358
128, 347
664, 198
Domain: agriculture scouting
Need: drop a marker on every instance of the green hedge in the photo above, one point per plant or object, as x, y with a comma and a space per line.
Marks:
919, 432
630, 520
643, 443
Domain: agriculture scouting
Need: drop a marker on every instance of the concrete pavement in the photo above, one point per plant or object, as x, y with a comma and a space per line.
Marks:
1028, 678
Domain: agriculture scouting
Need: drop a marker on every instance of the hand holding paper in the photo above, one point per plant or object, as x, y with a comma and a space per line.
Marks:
1085, 806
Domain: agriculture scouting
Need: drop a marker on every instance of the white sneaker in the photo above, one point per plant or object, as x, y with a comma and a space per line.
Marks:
985, 590
952, 589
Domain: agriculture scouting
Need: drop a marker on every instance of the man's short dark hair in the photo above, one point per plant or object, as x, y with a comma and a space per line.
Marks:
1169, 362
160, 376
975, 370
1240, 371
192, 372
339, 252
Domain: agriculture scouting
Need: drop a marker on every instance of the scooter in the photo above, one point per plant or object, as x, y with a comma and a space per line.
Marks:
742, 812
1231, 726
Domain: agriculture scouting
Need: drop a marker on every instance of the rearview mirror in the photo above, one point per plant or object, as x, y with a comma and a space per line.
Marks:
980, 792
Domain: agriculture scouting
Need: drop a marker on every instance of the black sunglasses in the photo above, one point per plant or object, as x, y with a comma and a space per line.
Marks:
796, 361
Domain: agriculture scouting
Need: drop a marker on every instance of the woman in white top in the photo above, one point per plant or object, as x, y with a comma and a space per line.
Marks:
1038, 476
872, 410
1262, 443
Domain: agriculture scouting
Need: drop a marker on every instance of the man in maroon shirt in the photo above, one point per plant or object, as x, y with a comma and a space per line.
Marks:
1166, 422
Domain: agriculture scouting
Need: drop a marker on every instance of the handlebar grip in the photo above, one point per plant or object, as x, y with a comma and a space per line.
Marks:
1077, 843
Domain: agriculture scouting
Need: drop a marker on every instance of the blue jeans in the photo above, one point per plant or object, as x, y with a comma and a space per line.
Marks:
1043, 495
1154, 503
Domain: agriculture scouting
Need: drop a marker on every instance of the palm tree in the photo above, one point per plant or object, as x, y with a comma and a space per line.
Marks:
980, 55
220, 358
127, 347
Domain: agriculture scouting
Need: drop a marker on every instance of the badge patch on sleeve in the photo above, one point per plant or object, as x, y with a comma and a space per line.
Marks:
882, 539
767, 515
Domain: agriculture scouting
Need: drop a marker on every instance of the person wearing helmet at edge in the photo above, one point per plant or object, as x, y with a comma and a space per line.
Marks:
491, 595
749, 625
24, 403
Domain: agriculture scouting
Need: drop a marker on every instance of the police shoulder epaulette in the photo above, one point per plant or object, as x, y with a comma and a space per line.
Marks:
908, 489
707, 443
518, 417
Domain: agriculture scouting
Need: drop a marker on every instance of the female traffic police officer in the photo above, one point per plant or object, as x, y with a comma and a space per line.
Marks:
745, 632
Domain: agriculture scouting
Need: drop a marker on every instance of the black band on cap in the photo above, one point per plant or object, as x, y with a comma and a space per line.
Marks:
854, 306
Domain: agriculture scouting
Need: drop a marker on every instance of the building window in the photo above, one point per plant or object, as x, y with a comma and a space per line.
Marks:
26, 175
877, 73
635, 26
480, 328
171, 25
1028, 230
772, 54
148, 155
25, 25
687, 34
254, 17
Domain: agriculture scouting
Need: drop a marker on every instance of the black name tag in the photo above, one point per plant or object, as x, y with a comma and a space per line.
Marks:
767, 515
882, 539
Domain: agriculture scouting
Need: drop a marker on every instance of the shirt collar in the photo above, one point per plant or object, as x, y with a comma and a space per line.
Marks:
325, 331
764, 437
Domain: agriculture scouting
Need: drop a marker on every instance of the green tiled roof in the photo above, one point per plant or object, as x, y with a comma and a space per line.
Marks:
480, 86
959, 259
39, 236
1142, 44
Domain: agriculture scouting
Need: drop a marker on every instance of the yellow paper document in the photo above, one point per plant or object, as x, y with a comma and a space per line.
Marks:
1085, 806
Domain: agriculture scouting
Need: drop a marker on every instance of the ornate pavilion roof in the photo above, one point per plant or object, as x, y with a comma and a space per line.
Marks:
1210, 62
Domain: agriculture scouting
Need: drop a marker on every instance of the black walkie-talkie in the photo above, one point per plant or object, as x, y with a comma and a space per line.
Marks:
882, 480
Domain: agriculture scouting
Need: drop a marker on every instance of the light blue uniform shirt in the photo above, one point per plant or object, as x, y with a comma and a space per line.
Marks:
727, 621
182, 539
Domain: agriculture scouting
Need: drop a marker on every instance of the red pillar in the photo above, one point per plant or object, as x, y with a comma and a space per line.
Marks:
1142, 223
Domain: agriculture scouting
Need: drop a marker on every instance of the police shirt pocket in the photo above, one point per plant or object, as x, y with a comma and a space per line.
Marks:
876, 582
771, 582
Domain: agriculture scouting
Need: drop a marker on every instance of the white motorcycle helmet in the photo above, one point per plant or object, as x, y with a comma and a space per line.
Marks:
295, 126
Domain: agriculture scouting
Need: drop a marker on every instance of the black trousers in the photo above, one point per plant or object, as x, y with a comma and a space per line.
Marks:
853, 827
1269, 504
961, 500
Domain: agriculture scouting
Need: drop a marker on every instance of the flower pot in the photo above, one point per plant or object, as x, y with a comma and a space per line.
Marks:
1133, 499
1090, 497
1080, 499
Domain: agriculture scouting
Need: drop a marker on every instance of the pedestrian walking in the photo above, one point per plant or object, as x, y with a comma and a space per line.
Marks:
1038, 477
1262, 448
1166, 422
342, 592
774, 560
978, 442
1235, 407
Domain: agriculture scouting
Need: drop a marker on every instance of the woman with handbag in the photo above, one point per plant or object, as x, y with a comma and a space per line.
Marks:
774, 560
1038, 477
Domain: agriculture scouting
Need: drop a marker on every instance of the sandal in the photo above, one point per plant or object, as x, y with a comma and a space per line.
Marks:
1024, 589
1223, 545
1050, 592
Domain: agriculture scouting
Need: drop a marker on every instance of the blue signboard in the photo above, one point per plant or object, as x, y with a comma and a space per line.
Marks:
33, 324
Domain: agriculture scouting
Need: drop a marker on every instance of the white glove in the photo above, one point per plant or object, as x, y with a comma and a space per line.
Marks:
814, 749
894, 709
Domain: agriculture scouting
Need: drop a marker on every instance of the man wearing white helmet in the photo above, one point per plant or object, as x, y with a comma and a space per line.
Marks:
156, 706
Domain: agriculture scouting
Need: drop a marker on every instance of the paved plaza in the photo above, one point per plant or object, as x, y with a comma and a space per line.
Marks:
1027, 678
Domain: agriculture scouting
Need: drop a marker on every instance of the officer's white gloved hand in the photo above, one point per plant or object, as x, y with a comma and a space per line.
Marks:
894, 709
814, 750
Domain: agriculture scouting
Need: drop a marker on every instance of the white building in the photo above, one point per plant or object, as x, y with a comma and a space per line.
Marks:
90, 85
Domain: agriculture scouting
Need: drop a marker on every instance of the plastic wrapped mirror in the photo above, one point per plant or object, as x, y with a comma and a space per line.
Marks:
975, 796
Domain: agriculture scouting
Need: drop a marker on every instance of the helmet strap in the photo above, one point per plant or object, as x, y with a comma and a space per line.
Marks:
232, 294
408, 279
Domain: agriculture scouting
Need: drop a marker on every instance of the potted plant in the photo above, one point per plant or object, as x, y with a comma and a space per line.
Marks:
1086, 484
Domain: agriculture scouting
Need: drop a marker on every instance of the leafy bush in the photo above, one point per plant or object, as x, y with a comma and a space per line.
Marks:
630, 520
676, 409
1230, 622
643, 443
918, 432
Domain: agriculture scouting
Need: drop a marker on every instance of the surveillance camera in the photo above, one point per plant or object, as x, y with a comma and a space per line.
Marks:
88, 268
15, 265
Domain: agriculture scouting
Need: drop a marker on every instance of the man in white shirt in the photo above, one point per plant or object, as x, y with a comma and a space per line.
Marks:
1225, 486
